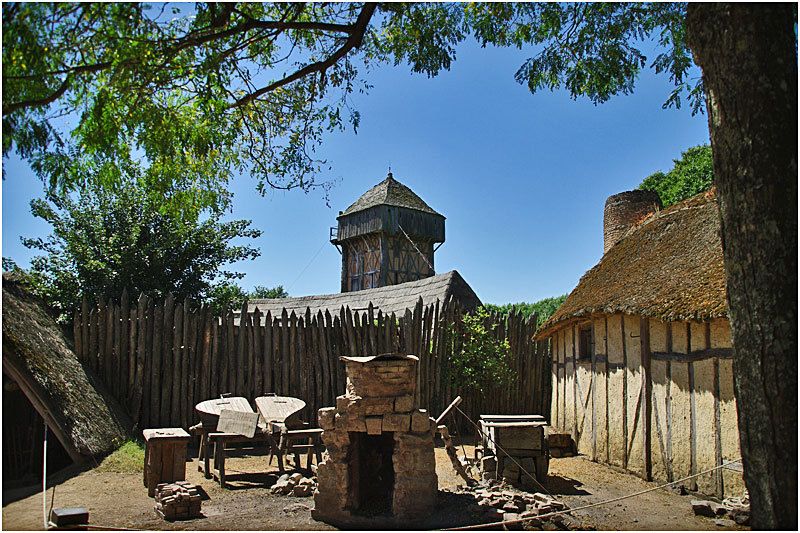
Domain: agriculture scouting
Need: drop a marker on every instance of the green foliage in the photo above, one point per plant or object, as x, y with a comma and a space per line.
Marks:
127, 459
591, 49
260, 291
106, 240
182, 97
692, 174
482, 359
229, 295
544, 308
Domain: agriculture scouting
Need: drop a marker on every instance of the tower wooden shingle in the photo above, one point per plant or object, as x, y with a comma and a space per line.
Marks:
386, 237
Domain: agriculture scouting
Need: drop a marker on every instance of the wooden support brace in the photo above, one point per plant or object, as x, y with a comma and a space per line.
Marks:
453, 455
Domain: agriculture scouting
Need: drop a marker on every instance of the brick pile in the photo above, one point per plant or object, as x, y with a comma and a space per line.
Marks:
177, 501
561, 445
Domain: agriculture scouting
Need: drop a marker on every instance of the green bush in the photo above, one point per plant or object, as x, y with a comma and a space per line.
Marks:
692, 174
482, 359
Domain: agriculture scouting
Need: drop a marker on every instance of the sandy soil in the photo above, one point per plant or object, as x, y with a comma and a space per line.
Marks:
120, 500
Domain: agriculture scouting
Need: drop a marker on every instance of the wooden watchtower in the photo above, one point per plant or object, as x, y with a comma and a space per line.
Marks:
388, 236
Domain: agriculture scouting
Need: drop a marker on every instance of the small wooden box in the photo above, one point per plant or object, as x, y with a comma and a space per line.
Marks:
70, 518
164, 456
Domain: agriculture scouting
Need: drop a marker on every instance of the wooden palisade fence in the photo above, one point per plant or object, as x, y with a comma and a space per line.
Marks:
159, 359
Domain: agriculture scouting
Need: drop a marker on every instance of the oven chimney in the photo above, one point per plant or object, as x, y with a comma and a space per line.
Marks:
624, 211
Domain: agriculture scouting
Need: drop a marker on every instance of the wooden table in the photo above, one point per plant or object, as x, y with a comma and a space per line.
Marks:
209, 411
164, 456
282, 414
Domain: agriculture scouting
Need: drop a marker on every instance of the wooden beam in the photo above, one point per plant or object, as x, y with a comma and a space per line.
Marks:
450, 407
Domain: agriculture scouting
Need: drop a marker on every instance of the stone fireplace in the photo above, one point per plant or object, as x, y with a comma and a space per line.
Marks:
379, 466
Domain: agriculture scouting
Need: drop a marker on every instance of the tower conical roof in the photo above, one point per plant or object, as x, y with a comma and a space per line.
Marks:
389, 192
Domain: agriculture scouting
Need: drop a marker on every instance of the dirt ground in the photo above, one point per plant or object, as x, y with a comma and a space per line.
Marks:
120, 500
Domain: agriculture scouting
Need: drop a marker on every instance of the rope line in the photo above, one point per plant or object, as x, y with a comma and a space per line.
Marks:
590, 505
487, 435
415, 247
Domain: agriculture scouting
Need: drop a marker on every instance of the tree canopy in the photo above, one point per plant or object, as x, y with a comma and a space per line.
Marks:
187, 95
105, 241
692, 174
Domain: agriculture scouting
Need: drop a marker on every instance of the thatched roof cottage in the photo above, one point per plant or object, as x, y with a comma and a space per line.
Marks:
44, 382
642, 355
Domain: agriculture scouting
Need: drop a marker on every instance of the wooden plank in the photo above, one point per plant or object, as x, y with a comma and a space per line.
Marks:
323, 328
133, 332
624, 393
108, 351
697, 355
204, 388
177, 365
148, 363
647, 395
238, 422
185, 365
668, 408
213, 386
277, 343
269, 383
91, 354
242, 363
230, 354
101, 341
156, 371
256, 352
294, 357
167, 359
285, 356
124, 363
141, 313
117, 357
371, 331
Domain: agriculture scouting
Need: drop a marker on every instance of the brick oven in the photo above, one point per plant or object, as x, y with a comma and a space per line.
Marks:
379, 468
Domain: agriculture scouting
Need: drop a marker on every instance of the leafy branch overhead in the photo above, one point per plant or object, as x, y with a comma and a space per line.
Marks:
184, 96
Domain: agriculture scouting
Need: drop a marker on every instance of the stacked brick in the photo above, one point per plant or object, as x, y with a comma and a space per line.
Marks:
177, 501
379, 399
561, 445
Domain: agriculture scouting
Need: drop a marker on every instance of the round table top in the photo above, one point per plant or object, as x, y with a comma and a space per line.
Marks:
234, 403
280, 409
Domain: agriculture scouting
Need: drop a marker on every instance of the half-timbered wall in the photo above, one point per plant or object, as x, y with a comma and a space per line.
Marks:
407, 261
655, 398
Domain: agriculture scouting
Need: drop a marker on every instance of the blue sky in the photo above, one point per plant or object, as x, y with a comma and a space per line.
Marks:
521, 178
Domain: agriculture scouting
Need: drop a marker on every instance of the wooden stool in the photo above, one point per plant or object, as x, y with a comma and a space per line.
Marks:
164, 456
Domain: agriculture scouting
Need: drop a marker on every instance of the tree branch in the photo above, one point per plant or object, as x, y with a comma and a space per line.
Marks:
14, 106
357, 31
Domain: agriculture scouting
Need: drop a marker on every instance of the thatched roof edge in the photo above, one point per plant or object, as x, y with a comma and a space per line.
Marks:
80, 411
668, 267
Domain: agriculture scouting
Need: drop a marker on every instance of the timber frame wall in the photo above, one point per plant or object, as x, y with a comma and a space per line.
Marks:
160, 359
654, 397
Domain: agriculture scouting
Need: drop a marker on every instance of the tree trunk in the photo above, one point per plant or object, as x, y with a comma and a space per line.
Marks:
748, 56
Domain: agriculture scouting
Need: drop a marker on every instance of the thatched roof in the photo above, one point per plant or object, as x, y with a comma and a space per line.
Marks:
76, 406
389, 192
669, 267
391, 299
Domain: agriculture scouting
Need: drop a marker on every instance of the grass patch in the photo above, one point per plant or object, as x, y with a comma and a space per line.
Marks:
127, 459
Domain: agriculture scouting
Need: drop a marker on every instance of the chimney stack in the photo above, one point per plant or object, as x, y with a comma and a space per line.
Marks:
625, 210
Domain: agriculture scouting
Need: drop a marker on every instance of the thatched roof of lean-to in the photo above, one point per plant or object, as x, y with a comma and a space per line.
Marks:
77, 408
390, 299
670, 267
389, 192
